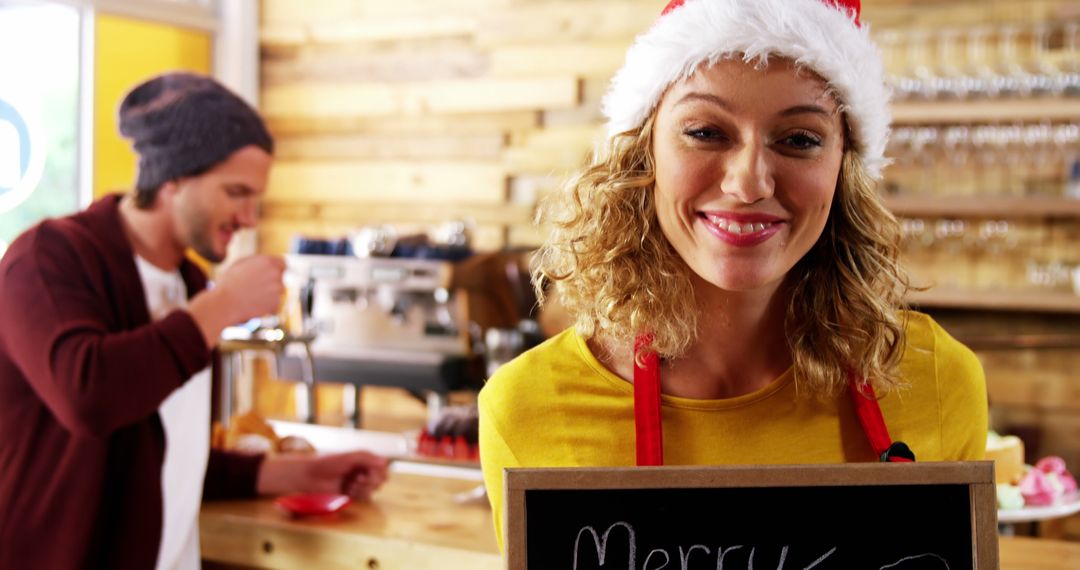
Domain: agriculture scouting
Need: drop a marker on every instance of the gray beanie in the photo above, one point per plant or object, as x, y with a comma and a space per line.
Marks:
182, 124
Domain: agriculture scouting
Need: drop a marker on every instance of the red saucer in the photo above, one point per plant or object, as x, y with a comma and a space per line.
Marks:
312, 503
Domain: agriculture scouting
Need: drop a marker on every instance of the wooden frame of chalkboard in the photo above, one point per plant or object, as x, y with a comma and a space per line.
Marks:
891, 516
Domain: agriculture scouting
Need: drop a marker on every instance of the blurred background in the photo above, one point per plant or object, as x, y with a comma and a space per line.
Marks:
415, 138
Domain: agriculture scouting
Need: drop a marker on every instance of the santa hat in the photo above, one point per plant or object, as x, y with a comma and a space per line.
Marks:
824, 36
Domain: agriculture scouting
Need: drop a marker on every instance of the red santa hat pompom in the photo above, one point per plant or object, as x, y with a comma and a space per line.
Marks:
824, 36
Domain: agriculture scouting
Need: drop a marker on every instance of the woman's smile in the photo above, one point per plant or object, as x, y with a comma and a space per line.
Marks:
741, 230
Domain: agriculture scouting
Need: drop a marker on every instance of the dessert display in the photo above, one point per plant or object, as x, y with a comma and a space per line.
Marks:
1046, 484
250, 433
455, 435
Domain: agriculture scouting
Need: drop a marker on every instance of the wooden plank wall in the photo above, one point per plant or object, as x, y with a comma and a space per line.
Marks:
421, 111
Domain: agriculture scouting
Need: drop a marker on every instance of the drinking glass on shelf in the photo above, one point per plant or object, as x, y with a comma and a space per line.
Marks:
1012, 78
898, 175
1061, 276
1052, 275
919, 78
916, 242
987, 146
924, 148
1038, 62
916, 235
1069, 60
953, 173
1011, 140
910, 232
1031, 243
1037, 276
979, 62
949, 80
893, 47
996, 247
1040, 171
1064, 235
951, 267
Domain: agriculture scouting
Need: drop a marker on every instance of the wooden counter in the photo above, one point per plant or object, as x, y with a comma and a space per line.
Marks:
414, 523
1020, 553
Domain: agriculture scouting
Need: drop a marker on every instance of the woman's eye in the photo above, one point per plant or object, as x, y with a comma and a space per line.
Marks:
802, 141
705, 134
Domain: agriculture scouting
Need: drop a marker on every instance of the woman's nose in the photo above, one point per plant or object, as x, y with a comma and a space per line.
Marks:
747, 174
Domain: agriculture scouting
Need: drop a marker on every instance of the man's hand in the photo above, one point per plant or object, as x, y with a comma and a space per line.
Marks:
357, 474
251, 287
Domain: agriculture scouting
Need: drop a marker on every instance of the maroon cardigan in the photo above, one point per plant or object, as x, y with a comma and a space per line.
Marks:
83, 371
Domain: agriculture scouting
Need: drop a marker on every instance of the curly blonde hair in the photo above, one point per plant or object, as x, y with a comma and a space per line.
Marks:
615, 271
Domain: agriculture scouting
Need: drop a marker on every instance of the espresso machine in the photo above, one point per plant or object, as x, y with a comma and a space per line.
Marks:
380, 321
364, 304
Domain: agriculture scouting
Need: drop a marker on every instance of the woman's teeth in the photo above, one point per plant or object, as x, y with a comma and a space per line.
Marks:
739, 228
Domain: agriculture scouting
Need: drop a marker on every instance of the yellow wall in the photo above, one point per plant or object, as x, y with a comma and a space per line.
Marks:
127, 52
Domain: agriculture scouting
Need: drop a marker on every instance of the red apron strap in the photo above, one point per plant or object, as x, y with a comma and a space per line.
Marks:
650, 436
649, 432
873, 422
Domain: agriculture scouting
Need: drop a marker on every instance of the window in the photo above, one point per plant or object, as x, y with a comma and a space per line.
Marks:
39, 114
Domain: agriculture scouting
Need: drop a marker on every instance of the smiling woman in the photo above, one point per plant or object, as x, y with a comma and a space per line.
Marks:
734, 277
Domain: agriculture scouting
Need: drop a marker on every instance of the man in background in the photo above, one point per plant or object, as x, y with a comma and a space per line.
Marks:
107, 340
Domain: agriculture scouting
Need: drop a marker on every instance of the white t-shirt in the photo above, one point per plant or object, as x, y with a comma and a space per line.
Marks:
185, 415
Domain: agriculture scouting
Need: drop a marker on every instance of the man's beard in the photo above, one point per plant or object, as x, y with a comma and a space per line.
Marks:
202, 239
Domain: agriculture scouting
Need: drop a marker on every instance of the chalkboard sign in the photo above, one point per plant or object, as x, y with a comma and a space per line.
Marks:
940, 516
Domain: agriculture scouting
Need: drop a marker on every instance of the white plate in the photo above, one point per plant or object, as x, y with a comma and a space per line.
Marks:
1032, 514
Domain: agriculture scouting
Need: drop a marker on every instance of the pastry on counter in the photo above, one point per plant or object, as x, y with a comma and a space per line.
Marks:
294, 444
1007, 453
250, 433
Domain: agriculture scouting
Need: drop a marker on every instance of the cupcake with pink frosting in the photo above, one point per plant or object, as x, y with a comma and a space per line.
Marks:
1048, 483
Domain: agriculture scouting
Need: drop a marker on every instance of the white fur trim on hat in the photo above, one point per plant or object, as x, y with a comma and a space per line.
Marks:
814, 34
